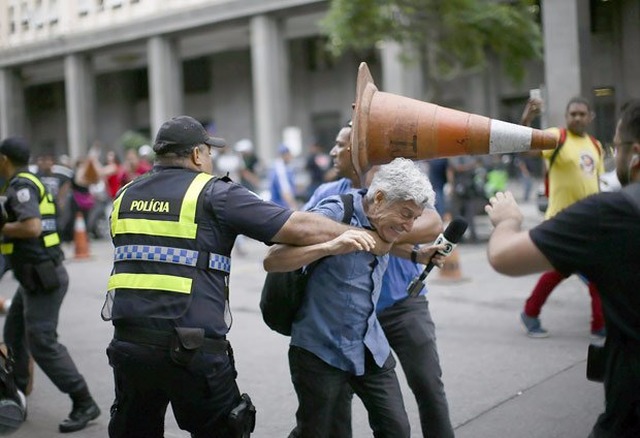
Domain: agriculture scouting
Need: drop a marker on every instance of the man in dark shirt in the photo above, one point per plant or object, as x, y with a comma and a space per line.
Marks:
598, 237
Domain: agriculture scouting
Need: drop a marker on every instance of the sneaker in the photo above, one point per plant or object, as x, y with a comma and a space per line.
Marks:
533, 327
598, 335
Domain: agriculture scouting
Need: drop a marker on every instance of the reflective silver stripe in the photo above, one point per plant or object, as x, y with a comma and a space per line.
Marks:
48, 225
166, 254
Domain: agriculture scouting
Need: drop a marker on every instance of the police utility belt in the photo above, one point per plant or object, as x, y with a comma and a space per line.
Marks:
183, 343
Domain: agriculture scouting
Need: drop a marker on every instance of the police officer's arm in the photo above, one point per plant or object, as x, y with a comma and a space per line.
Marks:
26, 229
304, 228
510, 250
282, 258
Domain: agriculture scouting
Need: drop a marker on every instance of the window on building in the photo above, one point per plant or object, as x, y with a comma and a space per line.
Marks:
12, 20
44, 97
604, 107
196, 74
140, 88
318, 57
602, 16
325, 127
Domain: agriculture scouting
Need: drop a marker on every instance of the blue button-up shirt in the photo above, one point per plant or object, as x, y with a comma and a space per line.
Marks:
337, 320
400, 271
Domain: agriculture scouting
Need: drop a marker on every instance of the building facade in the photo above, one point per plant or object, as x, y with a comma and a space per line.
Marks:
76, 71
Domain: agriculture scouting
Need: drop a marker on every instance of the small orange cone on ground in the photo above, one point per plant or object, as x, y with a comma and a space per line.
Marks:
80, 237
451, 270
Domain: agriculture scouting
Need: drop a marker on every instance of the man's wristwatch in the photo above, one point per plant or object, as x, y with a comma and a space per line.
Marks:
414, 254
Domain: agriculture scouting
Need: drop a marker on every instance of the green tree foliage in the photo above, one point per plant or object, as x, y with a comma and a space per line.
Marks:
447, 37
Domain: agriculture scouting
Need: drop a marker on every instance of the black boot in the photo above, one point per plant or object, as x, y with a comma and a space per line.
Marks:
84, 410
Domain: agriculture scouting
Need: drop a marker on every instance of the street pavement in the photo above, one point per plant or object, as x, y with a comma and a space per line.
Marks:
499, 382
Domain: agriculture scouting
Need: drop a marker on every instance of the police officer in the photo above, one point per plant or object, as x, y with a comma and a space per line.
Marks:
173, 230
32, 245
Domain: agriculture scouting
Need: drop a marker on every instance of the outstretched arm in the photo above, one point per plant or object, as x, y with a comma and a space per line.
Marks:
303, 228
281, 258
510, 250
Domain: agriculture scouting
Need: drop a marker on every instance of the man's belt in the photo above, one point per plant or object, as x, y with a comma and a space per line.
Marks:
163, 339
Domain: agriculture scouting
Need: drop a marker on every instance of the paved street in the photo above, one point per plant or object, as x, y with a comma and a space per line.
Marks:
500, 384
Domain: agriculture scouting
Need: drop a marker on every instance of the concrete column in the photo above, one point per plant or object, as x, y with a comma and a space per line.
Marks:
566, 55
12, 109
629, 60
79, 84
165, 81
269, 71
399, 77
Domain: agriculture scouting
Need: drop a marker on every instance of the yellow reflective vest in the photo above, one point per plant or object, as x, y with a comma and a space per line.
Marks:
47, 207
155, 227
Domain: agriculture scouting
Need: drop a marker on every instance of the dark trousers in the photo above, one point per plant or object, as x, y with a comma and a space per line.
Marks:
31, 326
146, 380
320, 389
412, 335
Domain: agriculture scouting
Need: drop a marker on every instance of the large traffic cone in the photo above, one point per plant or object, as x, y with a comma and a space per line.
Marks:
451, 271
80, 238
387, 126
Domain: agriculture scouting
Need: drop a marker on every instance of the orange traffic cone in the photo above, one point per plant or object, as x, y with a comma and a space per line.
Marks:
387, 126
80, 237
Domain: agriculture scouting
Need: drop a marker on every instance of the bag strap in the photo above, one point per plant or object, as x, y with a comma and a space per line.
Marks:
561, 140
347, 201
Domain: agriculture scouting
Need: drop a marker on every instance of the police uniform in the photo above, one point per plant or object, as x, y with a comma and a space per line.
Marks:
173, 230
32, 320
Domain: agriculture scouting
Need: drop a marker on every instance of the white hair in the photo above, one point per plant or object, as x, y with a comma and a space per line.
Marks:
402, 180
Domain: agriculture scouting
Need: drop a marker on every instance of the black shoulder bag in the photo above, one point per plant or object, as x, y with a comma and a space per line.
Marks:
282, 292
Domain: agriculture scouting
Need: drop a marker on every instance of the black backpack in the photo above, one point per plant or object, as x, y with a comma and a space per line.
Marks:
282, 292
12, 404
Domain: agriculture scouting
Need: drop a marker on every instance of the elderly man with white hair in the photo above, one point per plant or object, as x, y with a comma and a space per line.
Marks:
336, 338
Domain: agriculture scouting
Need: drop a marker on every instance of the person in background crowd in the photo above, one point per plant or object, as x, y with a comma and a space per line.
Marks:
574, 175
438, 178
467, 190
317, 164
135, 164
82, 200
58, 180
30, 239
250, 172
598, 237
114, 173
228, 162
283, 188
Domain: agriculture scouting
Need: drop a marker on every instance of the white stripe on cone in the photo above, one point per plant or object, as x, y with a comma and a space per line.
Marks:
508, 137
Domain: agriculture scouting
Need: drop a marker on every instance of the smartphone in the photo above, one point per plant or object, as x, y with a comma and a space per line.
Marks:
535, 93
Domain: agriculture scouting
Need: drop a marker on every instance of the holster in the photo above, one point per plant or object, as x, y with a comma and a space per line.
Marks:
596, 362
242, 418
38, 278
185, 343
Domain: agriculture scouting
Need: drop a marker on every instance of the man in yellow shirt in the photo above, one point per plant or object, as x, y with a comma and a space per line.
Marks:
573, 175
